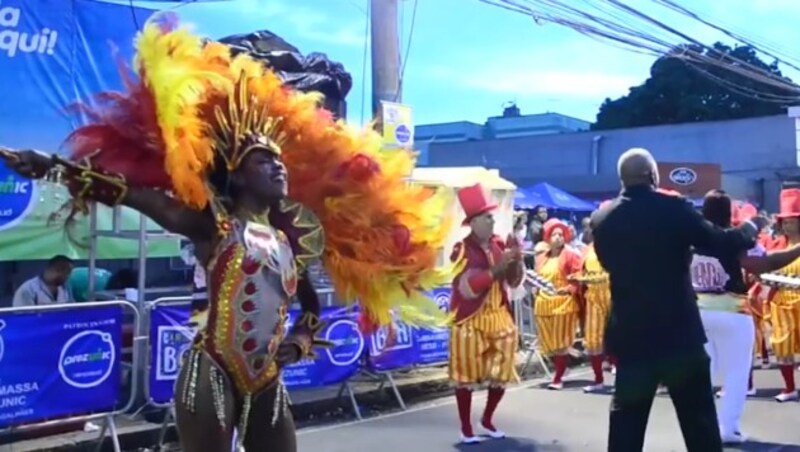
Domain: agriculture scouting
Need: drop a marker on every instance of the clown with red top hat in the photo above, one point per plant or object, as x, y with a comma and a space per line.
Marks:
483, 339
784, 302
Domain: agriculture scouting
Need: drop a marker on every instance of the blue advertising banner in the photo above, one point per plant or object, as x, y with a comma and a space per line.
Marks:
73, 369
433, 344
332, 365
411, 346
53, 53
170, 337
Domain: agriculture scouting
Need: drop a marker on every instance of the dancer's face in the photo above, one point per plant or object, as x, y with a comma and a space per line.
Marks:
263, 175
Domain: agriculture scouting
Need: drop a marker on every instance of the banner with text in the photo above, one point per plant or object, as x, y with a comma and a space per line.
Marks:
170, 338
411, 346
54, 53
57, 364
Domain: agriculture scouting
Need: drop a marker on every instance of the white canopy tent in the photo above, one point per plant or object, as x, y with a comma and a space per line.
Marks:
453, 178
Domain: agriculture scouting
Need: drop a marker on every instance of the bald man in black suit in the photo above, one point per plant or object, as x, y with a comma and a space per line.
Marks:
644, 240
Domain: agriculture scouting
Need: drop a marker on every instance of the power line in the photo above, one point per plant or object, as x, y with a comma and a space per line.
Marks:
364, 59
631, 29
408, 44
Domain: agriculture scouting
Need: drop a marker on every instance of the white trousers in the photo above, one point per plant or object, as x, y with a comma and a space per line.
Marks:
730, 346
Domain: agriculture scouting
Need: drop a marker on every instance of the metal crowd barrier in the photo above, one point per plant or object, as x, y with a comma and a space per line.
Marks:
152, 400
369, 356
109, 424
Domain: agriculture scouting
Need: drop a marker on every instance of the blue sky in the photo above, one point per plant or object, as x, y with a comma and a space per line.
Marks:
466, 58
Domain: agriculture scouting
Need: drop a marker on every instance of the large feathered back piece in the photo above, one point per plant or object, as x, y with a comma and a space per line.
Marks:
383, 233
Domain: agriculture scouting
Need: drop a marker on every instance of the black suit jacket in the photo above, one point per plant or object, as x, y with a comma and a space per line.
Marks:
644, 240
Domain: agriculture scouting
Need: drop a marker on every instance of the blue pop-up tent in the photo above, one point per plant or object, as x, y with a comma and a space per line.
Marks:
544, 194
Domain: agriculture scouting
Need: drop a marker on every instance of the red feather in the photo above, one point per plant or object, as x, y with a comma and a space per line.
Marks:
122, 134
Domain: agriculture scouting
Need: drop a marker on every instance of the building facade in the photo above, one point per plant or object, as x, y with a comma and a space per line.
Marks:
751, 158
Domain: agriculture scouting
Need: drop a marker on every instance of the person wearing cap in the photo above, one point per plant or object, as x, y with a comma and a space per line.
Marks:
725, 308
644, 240
785, 301
596, 294
483, 339
557, 313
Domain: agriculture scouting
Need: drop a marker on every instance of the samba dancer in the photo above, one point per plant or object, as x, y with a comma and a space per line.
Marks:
209, 146
483, 340
557, 313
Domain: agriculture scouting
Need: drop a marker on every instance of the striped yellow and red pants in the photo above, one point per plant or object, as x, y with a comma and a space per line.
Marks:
785, 339
479, 357
595, 326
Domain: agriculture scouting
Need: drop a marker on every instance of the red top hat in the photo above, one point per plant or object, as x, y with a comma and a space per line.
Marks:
741, 212
790, 203
474, 201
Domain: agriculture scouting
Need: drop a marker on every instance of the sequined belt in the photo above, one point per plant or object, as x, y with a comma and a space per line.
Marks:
218, 381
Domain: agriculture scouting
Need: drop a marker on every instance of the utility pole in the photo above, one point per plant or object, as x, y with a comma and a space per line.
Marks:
385, 40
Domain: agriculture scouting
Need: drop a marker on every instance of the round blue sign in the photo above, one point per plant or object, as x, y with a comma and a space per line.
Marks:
87, 359
17, 195
348, 342
402, 134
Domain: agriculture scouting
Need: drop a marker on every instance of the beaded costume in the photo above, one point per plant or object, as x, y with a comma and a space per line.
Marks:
191, 116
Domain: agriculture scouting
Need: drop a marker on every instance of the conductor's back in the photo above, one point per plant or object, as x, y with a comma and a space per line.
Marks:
644, 239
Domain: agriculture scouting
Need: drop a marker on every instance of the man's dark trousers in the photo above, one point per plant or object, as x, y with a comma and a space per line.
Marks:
688, 380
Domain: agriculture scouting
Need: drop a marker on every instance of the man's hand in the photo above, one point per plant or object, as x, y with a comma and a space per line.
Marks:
515, 247
288, 353
760, 222
27, 163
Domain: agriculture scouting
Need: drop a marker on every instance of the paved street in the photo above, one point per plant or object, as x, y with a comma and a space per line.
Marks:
541, 420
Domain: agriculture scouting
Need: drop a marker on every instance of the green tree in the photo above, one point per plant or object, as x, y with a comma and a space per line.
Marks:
678, 92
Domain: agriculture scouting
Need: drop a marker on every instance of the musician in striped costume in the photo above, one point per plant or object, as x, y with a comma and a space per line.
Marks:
785, 301
597, 300
483, 340
557, 313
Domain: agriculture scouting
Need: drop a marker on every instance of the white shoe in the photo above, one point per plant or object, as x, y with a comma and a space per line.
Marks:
494, 434
90, 427
787, 396
600, 387
470, 439
734, 438
556, 386
752, 392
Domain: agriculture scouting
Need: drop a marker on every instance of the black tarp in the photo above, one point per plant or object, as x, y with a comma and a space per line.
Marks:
314, 72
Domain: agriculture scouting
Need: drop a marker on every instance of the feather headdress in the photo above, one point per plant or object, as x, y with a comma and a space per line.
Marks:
193, 102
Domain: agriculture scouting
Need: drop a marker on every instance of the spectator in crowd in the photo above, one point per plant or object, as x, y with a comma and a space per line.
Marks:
536, 229
48, 288
586, 231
